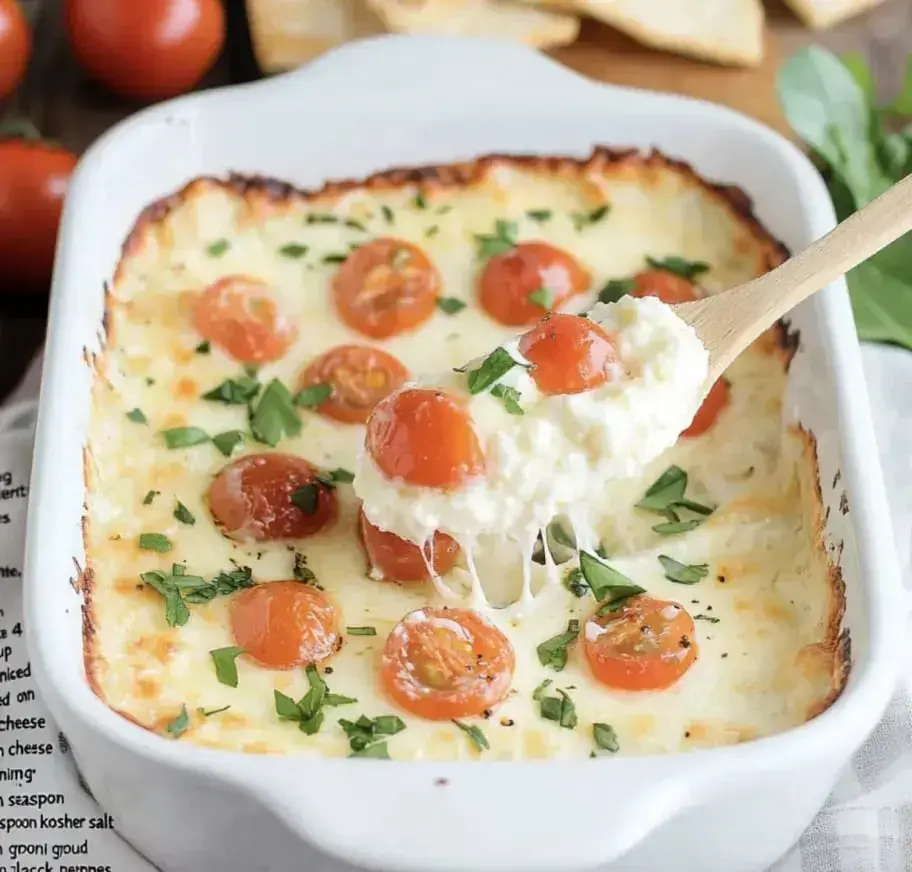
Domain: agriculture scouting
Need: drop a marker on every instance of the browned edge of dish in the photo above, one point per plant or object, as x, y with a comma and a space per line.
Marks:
781, 340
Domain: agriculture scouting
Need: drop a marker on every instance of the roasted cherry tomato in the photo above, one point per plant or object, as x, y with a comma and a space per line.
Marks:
446, 663
270, 496
15, 46
716, 400
424, 437
569, 354
359, 377
284, 624
384, 287
239, 314
33, 181
647, 644
509, 285
146, 50
400, 560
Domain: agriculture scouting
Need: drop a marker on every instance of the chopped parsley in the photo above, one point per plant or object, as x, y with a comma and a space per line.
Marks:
305, 498
610, 587
361, 631
311, 397
184, 437
137, 416
205, 347
183, 514
575, 583
180, 724
543, 297
559, 708
274, 415
478, 739
510, 398
301, 571
605, 738
540, 215
178, 589
688, 269
229, 440
419, 201
293, 250
682, 573
355, 225
366, 736
225, 665
503, 239
539, 692
151, 495
553, 652
387, 214
308, 711
335, 257
669, 528
450, 305
155, 542
321, 218
496, 365
432, 231
614, 289
665, 497
218, 248
332, 477
584, 219
234, 391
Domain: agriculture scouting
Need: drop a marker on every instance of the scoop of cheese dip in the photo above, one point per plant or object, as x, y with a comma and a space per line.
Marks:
554, 458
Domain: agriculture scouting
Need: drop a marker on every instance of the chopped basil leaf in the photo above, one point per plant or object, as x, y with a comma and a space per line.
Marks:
355, 225
697, 508
334, 699
432, 231
218, 248
151, 495
203, 348
361, 631
560, 709
330, 478
229, 440
575, 583
274, 415
688, 269
176, 612
605, 738
614, 289
184, 437
510, 398
496, 365
137, 416
539, 692
234, 391
504, 239
582, 219
540, 215
387, 214
450, 305
305, 498
183, 514
709, 618
335, 257
476, 736
286, 708
553, 652
363, 733
616, 597
209, 712
312, 396
307, 711
667, 489
178, 589
607, 584
543, 297
151, 381
180, 724
293, 250
682, 573
301, 571
318, 218
377, 751
154, 542
420, 202
225, 666
673, 527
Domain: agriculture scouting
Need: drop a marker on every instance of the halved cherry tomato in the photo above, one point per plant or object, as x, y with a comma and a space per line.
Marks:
716, 400
239, 314
508, 280
15, 46
386, 286
669, 287
446, 663
647, 644
270, 496
424, 437
284, 624
570, 354
359, 377
400, 560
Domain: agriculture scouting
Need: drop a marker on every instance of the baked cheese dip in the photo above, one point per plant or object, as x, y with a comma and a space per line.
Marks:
527, 577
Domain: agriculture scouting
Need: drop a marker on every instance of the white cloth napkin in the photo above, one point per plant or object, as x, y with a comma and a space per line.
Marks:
865, 827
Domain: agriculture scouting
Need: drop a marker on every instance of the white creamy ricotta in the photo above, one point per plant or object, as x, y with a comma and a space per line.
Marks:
557, 456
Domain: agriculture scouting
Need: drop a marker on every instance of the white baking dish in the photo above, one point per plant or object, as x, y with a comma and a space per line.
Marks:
398, 101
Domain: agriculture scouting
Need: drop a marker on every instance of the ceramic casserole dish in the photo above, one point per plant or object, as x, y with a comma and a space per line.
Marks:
399, 101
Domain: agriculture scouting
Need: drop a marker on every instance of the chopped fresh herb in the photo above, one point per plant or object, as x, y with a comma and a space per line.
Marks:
320, 218
575, 583
365, 732
420, 202
154, 542
286, 708
605, 738
361, 631
335, 257
225, 665
666, 490
708, 618
503, 239
209, 712
151, 495
559, 708
543, 297
331, 477
274, 415
450, 305
218, 248
387, 214
184, 437
672, 527
377, 751
553, 652
584, 219
496, 365
607, 584
432, 231
205, 347
180, 724
307, 711
234, 391
301, 571
183, 514
539, 692
682, 573
688, 269
540, 215
510, 398
178, 589
305, 498
293, 250
312, 396
229, 440
151, 381
355, 225
476, 736
334, 699
137, 416
614, 289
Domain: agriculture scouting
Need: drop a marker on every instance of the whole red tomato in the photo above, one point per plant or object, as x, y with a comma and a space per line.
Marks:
33, 182
15, 46
146, 49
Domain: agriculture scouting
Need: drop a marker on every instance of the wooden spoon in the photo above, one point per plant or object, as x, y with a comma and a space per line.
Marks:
728, 322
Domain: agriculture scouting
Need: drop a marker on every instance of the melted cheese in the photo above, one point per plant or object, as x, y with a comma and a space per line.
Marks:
767, 587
